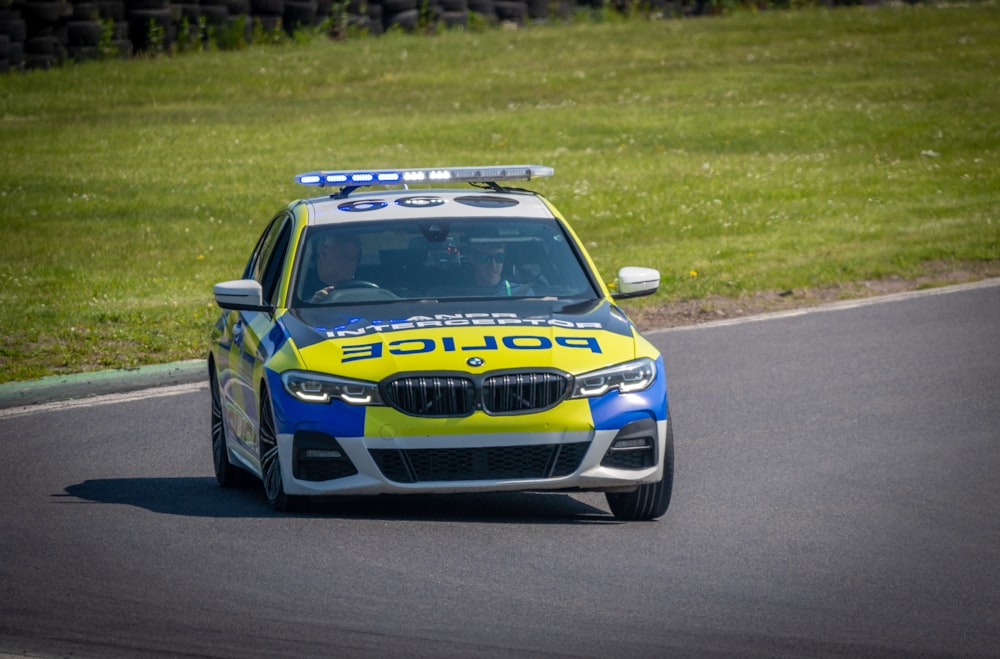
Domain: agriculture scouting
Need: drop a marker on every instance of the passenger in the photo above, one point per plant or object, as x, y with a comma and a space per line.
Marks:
487, 270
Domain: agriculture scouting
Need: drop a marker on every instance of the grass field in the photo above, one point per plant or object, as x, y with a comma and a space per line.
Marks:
750, 152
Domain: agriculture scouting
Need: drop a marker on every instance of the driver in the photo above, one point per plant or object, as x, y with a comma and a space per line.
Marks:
337, 260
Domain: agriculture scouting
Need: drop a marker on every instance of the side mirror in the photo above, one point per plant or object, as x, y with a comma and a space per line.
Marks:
633, 281
240, 295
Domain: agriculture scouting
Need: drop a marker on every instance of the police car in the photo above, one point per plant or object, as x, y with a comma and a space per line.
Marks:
435, 331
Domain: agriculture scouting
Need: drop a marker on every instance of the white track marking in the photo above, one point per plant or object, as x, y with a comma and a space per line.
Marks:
106, 399
832, 306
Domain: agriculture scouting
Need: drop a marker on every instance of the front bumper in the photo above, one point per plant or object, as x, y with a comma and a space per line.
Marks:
613, 442
314, 464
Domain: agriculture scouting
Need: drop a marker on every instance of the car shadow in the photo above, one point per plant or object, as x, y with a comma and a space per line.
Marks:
202, 497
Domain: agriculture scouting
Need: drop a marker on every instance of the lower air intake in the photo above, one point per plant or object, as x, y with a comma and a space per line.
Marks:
317, 456
488, 463
634, 447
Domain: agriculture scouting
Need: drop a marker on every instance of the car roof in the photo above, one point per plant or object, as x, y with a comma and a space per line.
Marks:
424, 204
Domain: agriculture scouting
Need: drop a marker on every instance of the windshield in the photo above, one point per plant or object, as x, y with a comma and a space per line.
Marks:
442, 260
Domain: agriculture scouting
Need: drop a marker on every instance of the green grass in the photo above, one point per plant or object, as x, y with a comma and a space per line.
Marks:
760, 151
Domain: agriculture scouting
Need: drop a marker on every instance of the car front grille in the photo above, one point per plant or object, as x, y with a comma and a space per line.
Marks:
446, 395
432, 395
487, 463
511, 393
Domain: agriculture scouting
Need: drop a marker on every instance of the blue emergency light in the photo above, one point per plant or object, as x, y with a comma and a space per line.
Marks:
357, 178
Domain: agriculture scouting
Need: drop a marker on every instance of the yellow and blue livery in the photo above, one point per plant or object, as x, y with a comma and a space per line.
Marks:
435, 339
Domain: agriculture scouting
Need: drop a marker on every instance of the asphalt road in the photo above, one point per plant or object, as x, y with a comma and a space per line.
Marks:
837, 494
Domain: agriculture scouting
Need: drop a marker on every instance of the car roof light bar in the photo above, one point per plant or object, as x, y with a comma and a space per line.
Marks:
356, 178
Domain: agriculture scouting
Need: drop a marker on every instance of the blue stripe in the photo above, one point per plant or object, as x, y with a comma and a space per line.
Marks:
334, 418
614, 410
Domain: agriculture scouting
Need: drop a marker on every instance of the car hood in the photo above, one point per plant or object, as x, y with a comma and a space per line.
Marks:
372, 342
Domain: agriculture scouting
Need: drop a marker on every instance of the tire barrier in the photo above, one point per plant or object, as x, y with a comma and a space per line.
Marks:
40, 34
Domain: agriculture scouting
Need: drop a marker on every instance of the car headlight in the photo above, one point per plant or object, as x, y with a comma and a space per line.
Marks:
319, 388
628, 377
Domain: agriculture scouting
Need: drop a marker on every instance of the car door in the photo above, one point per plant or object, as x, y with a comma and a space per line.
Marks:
246, 328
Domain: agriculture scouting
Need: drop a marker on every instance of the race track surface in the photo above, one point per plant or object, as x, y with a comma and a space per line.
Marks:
836, 495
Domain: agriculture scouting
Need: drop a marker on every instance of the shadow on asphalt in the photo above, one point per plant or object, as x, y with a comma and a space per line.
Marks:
202, 497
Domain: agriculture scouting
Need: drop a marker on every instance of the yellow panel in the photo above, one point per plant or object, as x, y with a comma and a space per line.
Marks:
571, 415
376, 356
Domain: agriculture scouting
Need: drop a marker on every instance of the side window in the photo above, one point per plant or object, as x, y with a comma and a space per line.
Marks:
269, 255
273, 257
252, 269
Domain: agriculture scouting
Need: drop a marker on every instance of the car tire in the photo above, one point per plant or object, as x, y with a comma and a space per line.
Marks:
455, 19
270, 461
84, 33
214, 14
299, 14
393, 7
226, 473
46, 12
268, 7
484, 8
512, 11
236, 7
405, 20
13, 27
647, 501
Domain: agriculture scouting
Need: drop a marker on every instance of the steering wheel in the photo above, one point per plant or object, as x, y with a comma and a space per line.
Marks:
360, 294
357, 283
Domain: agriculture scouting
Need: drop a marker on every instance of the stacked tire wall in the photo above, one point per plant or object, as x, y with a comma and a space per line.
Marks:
40, 34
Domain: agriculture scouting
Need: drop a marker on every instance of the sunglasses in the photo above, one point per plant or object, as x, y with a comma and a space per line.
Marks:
490, 258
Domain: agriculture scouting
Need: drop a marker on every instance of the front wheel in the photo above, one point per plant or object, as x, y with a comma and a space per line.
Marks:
647, 501
226, 473
270, 462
